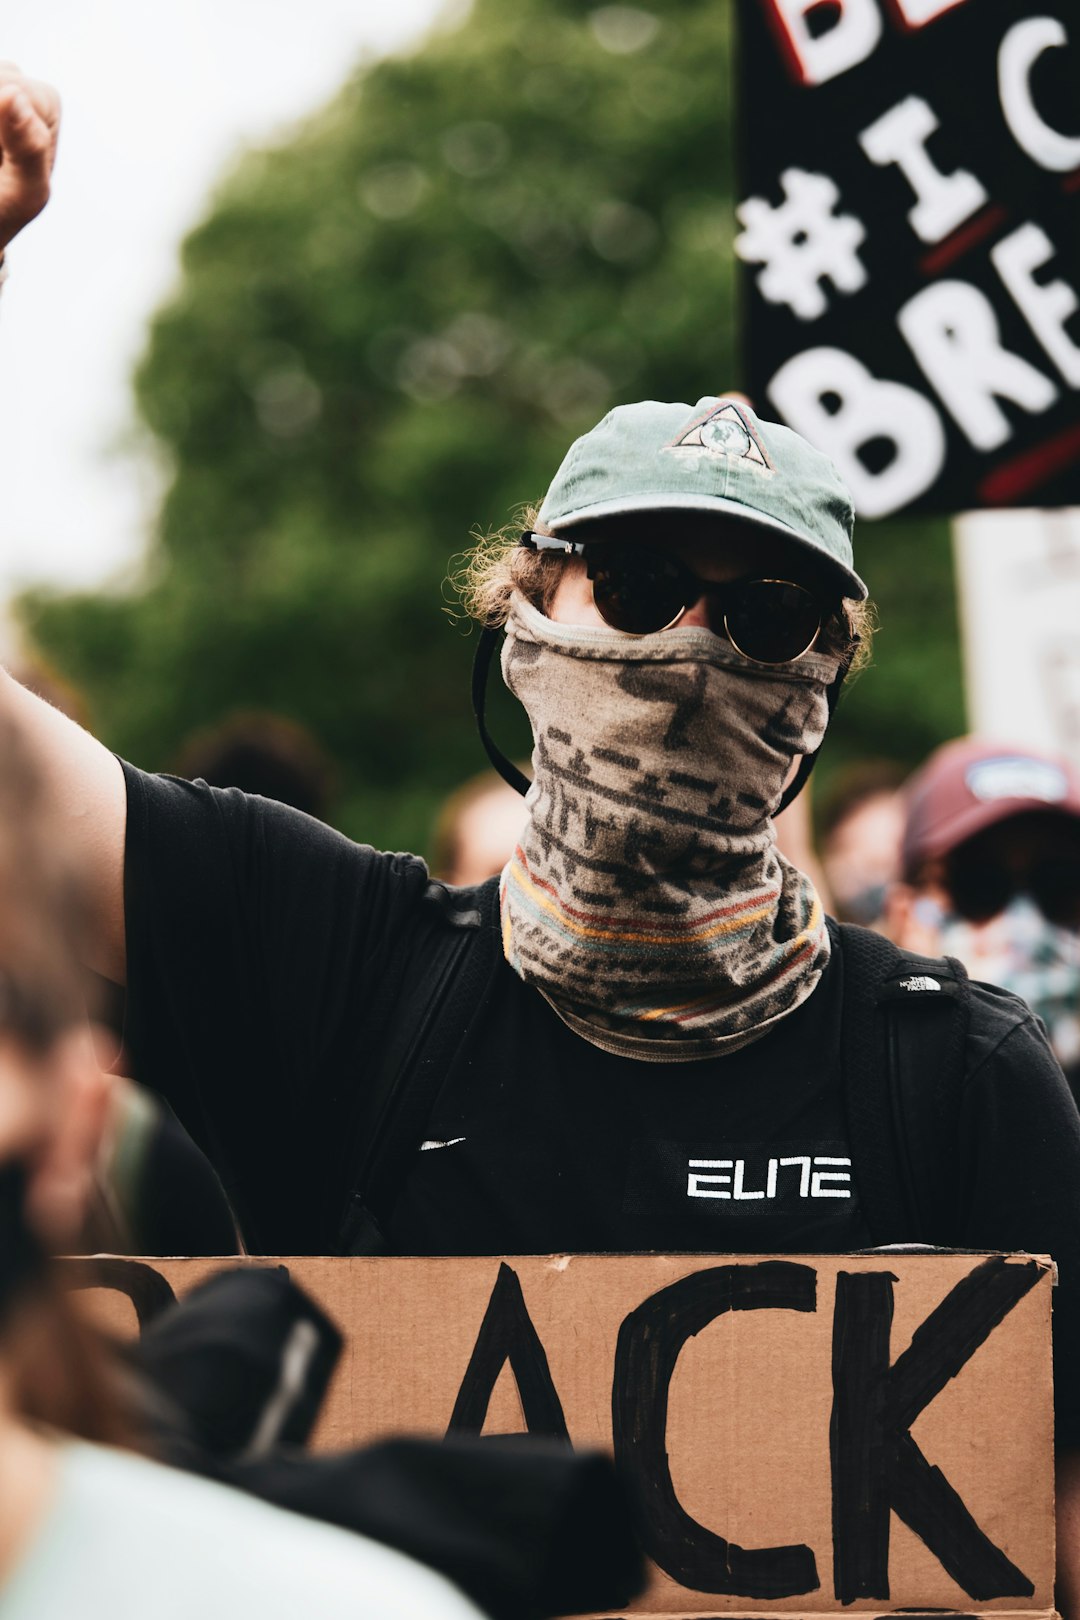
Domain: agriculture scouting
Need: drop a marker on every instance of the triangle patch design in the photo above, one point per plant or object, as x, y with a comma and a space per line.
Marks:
724, 430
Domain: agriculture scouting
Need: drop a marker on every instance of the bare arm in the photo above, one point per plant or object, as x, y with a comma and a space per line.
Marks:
87, 799
84, 784
1068, 1534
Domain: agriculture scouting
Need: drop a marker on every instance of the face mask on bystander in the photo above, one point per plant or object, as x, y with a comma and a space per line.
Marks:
1022, 951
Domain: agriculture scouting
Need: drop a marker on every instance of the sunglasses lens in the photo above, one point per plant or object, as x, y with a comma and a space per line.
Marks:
1054, 884
636, 589
772, 621
980, 889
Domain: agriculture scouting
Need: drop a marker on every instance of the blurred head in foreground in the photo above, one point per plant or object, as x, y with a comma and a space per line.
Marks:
991, 874
53, 1105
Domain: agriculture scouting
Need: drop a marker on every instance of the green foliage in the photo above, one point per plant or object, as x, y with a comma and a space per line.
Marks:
387, 332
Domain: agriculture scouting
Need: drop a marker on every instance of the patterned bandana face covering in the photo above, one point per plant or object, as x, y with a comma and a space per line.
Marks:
647, 899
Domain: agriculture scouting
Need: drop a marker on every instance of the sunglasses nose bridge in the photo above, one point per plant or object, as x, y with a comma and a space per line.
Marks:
700, 612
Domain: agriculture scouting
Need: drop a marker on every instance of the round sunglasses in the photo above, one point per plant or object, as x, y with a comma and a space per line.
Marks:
981, 887
641, 589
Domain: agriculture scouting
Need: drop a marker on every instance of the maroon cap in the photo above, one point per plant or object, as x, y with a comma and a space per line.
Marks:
971, 784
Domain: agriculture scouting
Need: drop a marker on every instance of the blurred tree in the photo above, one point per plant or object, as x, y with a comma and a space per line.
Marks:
387, 332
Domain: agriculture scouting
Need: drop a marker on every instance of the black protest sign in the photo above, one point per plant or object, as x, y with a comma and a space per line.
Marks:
809, 1432
910, 237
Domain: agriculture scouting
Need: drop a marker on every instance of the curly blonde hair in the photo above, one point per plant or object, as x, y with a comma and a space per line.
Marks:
497, 565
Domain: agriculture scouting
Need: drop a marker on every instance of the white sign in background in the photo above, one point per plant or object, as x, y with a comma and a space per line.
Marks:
1018, 576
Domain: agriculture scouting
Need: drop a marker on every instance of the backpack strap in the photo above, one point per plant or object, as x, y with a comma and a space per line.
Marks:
902, 1049
445, 969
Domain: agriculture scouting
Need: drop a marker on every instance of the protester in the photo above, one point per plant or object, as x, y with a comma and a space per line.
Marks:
476, 830
860, 827
679, 618
991, 869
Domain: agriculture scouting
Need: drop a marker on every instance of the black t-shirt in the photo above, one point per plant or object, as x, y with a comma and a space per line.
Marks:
258, 940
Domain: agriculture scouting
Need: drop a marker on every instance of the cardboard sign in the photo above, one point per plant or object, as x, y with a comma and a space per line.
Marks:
910, 175
796, 1435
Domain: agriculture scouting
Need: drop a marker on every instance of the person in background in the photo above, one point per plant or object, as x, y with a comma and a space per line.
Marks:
861, 823
795, 840
476, 830
991, 875
262, 753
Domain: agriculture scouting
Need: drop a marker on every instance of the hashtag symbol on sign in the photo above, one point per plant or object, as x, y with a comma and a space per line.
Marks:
801, 242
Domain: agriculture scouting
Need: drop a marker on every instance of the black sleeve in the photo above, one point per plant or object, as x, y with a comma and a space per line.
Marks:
1022, 1131
256, 938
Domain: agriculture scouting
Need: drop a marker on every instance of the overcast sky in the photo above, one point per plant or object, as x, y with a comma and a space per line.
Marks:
159, 95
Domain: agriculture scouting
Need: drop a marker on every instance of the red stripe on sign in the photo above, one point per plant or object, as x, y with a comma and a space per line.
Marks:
785, 42
968, 236
1071, 182
1031, 469
900, 17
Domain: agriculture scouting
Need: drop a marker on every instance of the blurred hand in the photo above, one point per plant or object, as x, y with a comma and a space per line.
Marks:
29, 125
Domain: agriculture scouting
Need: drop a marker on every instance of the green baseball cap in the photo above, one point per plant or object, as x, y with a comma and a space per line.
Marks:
715, 456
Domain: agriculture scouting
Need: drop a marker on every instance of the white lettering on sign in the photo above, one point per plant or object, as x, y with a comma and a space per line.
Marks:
853, 35
819, 1177
1020, 49
867, 408
943, 201
953, 333
1047, 305
800, 242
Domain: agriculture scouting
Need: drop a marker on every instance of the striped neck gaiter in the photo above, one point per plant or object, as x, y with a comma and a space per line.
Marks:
647, 900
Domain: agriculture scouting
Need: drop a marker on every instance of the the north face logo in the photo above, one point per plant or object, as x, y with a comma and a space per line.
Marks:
724, 430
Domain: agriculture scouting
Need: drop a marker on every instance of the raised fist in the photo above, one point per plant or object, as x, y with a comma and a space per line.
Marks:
29, 125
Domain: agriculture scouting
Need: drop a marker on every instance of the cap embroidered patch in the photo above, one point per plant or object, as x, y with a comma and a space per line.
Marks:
1015, 777
724, 431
